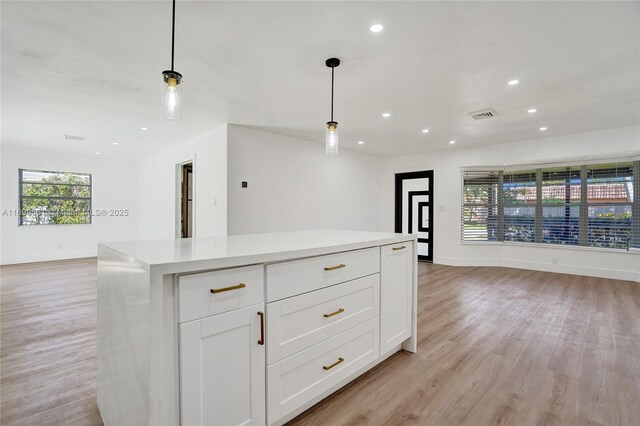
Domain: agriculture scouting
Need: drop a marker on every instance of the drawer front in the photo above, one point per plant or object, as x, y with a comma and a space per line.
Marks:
232, 289
299, 378
301, 276
302, 321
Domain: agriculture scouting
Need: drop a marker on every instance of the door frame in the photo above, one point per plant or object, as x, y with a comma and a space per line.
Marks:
399, 178
187, 169
178, 197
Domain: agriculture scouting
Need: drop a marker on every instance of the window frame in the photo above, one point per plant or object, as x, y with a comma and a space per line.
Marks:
583, 206
21, 196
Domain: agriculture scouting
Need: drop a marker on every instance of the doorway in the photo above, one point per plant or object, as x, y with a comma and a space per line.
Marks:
414, 209
186, 197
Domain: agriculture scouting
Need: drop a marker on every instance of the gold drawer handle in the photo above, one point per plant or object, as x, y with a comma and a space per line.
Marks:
233, 287
329, 367
333, 268
339, 311
399, 248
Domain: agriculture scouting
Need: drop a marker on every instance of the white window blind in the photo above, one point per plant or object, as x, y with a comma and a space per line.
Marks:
610, 197
480, 206
560, 199
591, 205
520, 200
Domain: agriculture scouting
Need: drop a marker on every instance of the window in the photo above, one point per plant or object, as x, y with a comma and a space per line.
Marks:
595, 205
560, 204
610, 198
48, 198
520, 199
480, 206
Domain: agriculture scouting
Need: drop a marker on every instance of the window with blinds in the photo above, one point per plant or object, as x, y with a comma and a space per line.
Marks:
520, 198
593, 205
480, 206
609, 204
560, 205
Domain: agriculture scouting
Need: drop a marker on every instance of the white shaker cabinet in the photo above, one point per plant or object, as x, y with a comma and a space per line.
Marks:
396, 294
222, 369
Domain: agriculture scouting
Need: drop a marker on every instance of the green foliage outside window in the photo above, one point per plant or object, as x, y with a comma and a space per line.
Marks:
48, 198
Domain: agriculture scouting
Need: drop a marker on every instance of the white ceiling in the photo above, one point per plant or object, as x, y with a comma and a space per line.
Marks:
94, 69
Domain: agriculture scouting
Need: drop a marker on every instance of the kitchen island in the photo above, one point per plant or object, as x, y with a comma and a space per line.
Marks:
247, 329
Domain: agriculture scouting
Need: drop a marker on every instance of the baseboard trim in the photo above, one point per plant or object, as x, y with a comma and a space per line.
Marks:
457, 261
615, 274
6, 261
572, 269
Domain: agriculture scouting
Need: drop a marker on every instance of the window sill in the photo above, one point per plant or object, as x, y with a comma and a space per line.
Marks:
631, 251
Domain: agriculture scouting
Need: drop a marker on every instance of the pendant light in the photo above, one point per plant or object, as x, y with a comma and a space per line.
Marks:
331, 147
171, 99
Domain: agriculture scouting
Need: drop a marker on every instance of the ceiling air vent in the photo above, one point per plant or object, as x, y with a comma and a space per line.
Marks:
482, 115
75, 138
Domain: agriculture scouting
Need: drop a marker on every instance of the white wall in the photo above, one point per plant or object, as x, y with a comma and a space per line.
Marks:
447, 180
157, 186
113, 188
293, 185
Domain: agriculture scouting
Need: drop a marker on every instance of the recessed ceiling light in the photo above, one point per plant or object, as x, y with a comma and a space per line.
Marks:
425, 130
452, 142
115, 143
531, 110
98, 153
144, 128
376, 28
386, 114
542, 129
360, 142
513, 82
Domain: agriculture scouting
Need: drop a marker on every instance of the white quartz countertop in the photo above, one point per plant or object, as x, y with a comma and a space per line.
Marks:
252, 248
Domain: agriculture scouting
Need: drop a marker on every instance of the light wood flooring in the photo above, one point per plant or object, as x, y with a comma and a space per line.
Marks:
48, 344
496, 346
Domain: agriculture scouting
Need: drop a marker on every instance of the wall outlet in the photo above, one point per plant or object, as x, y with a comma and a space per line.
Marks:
59, 245
245, 184
554, 260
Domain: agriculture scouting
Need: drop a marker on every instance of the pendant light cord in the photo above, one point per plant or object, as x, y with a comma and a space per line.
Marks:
332, 70
173, 32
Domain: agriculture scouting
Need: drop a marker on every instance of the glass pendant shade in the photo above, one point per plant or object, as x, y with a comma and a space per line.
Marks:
332, 138
331, 146
171, 101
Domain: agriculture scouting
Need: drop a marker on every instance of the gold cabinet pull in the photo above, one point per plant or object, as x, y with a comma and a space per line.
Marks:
333, 268
261, 341
233, 287
339, 311
399, 248
329, 367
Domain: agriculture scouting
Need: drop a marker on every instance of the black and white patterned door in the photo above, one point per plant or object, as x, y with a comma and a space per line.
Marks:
414, 209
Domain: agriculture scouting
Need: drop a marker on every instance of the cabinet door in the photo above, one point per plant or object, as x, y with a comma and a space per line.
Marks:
396, 294
222, 369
